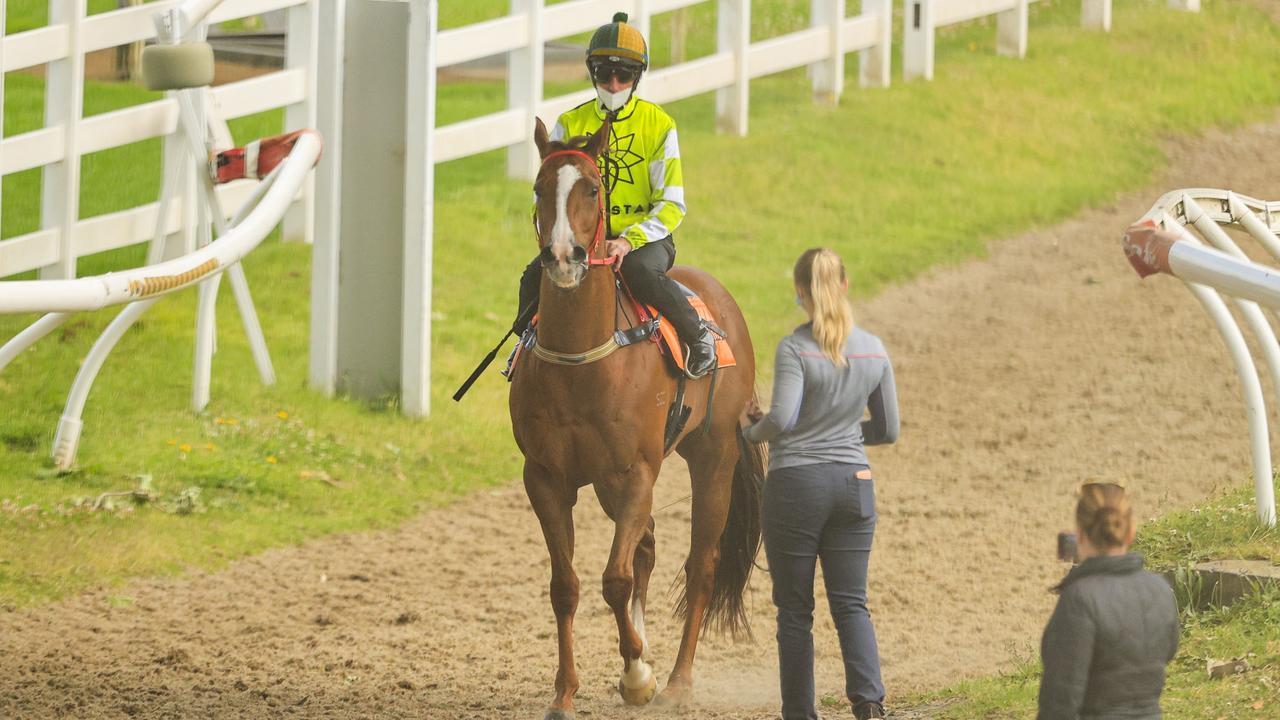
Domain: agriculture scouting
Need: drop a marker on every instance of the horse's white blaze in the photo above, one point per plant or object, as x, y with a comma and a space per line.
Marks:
562, 231
637, 619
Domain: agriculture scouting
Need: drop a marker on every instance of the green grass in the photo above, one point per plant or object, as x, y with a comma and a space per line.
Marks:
897, 180
1222, 528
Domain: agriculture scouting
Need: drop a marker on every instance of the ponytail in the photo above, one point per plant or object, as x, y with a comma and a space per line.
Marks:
819, 274
1104, 515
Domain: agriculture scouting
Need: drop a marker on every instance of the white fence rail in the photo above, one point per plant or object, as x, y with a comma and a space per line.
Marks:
1162, 241
67, 136
922, 18
736, 61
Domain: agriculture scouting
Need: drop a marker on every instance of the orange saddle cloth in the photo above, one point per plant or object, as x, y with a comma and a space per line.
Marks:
670, 340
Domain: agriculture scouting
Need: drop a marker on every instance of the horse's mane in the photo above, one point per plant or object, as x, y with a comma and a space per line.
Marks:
577, 142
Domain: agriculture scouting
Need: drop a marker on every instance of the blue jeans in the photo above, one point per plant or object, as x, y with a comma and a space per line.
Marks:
821, 512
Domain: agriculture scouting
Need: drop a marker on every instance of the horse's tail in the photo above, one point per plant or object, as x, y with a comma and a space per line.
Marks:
739, 544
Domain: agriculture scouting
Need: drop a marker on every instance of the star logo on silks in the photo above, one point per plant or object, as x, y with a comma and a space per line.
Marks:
620, 159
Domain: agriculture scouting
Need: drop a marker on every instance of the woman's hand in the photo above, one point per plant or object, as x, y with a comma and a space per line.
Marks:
754, 413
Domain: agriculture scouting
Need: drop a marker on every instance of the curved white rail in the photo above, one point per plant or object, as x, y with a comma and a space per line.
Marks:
93, 293
1162, 242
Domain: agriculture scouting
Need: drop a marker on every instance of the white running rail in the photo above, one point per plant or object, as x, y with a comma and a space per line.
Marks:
1162, 242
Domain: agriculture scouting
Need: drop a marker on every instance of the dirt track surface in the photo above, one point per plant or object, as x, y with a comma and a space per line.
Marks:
1020, 375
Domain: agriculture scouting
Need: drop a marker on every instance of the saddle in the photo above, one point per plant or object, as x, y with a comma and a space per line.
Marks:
652, 326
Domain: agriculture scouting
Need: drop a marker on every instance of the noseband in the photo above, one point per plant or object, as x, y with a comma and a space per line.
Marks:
595, 241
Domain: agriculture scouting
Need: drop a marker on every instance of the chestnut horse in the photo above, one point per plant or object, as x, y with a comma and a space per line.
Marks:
589, 416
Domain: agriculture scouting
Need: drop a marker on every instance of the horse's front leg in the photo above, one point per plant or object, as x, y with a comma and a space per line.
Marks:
628, 501
554, 507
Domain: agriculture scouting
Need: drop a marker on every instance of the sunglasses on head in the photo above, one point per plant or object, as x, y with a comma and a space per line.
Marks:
601, 73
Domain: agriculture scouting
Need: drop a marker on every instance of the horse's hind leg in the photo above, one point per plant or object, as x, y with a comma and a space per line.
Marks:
554, 508
711, 474
628, 501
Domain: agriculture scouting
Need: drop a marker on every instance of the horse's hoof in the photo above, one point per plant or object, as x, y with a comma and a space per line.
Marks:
675, 697
557, 714
638, 684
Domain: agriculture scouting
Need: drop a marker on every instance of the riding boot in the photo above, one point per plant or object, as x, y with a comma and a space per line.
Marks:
530, 284
644, 270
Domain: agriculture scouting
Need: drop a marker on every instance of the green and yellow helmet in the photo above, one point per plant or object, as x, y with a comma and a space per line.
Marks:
618, 43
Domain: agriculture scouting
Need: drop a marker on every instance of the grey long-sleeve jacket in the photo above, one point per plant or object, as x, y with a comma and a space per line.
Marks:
1107, 643
816, 411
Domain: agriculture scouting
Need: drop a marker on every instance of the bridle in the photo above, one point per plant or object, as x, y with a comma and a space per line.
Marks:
591, 260
607, 348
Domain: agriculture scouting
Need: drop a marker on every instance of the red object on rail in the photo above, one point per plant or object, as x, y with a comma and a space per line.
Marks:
1147, 247
255, 160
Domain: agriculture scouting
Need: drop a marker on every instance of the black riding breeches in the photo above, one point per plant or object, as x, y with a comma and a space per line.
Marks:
644, 269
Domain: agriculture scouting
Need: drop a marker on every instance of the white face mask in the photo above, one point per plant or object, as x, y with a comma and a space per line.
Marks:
613, 102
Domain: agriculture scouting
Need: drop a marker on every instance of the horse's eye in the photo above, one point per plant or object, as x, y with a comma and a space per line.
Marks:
595, 191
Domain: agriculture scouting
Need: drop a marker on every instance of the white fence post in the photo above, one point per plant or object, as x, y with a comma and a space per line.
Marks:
1188, 5
64, 106
642, 20
1096, 14
733, 35
331, 51
917, 39
3, 13
524, 87
300, 53
1011, 31
874, 62
828, 74
419, 206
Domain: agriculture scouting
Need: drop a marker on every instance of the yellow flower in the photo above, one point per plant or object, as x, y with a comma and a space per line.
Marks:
209, 446
282, 415
172, 442
272, 459
185, 447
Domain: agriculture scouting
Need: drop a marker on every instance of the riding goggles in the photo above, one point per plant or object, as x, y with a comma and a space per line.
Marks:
600, 73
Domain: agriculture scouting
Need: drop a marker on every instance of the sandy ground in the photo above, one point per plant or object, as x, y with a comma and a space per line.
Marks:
1019, 375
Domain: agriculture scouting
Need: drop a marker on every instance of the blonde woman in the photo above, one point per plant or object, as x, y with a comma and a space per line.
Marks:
819, 498
1115, 627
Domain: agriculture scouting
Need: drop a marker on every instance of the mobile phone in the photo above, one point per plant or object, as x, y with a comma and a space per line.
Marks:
1067, 548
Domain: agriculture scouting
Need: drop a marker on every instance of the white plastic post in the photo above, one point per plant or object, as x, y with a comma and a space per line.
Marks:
64, 106
1259, 442
419, 207
67, 438
917, 39
524, 87
322, 374
1011, 31
1188, 5
733, 35
874, 62
1095, 15
300, 54
30, 336
642, 20
1254, 225
828, 75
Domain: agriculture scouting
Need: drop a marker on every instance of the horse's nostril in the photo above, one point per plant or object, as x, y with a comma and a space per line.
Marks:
579, 254
546, 256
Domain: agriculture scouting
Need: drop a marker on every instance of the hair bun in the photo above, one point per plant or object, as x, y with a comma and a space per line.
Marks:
620, 17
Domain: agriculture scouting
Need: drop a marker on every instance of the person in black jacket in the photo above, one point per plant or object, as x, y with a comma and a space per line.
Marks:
1115, 627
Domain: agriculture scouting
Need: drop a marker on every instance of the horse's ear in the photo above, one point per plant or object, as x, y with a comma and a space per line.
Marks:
540, 137
599, 141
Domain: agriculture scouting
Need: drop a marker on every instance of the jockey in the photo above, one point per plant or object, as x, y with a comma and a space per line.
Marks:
644, 184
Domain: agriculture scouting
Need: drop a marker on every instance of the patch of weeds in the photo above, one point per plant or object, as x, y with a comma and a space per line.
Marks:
185, 503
